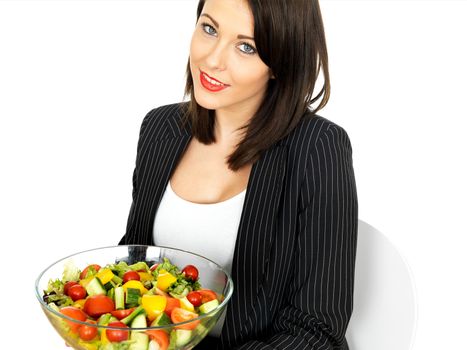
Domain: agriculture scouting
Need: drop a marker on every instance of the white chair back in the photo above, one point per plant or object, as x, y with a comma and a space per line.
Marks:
384, 312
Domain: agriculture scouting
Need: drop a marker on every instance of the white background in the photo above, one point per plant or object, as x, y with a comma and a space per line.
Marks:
77, 78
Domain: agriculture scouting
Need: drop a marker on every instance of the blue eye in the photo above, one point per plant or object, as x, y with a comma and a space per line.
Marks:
209, 30
250, 51
204, 25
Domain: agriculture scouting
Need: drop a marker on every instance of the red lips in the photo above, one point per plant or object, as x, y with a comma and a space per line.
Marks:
210, 86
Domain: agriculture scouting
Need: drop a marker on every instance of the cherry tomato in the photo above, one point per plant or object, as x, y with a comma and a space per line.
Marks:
153, 267
67, 286
88, 332
131, 276
182, 315
171, 304
85, 271
97, 305
76, 314
160, 337
195, 298
207, 295
121, 314
191, 272
117, 335
77, 292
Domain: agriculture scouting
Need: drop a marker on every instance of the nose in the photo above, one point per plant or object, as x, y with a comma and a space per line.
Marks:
217, 57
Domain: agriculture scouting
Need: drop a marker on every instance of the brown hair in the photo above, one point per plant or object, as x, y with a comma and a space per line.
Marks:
290, 40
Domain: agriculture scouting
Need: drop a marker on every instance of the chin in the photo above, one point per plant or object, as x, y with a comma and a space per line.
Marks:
207, 101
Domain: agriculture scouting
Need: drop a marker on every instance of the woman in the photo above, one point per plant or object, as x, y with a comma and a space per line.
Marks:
247, 174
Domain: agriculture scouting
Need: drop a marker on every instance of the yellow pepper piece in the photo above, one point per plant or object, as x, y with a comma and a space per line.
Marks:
79, 303
84, 282
105, 275
154, 305
144, 276
165, 279
104, 339
136, 285
88, 346
185, 304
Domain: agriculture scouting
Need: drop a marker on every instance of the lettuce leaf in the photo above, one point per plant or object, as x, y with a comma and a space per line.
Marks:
70, 272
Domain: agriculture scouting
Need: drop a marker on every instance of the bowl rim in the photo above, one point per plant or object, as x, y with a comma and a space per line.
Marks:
172, 325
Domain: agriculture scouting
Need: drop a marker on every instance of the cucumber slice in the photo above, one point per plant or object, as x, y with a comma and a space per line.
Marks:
95, 287
116, 279
209, 306
53, 306
132, 297
180, 337
139, 338
111, 293
139, 321
161, 320
201, 330
136, 312
109, 285
104, 320
119, 298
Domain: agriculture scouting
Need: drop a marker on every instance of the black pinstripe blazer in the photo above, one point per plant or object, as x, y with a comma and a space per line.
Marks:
294, 259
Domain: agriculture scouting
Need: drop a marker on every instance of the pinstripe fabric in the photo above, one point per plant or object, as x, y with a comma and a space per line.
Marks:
294, 259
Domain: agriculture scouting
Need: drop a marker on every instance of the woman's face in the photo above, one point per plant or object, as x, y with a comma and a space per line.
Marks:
220, 50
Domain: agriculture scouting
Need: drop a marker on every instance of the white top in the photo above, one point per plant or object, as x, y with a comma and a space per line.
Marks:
187, 225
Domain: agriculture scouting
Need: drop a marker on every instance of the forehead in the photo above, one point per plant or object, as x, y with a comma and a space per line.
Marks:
233, 15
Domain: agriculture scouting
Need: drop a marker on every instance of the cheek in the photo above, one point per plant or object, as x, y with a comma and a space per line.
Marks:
250, 76
198, 47
193, 49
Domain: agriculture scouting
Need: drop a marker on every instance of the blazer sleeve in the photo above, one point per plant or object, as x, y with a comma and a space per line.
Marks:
126, 237
317, 307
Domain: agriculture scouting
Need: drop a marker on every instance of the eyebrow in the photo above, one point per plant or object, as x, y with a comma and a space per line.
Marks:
239, 36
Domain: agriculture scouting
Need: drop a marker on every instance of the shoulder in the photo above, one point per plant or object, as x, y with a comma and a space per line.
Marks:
163, 121
318, 149
312, 132
321, 153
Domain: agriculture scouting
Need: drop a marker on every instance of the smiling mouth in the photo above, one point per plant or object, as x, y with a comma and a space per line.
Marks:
211, 84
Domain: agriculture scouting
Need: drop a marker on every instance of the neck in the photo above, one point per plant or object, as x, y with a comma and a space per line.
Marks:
226, 125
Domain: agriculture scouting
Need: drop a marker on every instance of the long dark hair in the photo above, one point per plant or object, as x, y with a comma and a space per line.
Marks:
290, 40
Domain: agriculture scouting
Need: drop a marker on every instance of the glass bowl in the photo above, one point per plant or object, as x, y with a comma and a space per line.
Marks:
87, 335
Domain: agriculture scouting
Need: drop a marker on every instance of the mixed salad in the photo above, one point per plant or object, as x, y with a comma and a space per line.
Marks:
131, 296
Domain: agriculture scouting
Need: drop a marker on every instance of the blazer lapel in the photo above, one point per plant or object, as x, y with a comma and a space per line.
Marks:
255, 236
160, 160
256, 228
